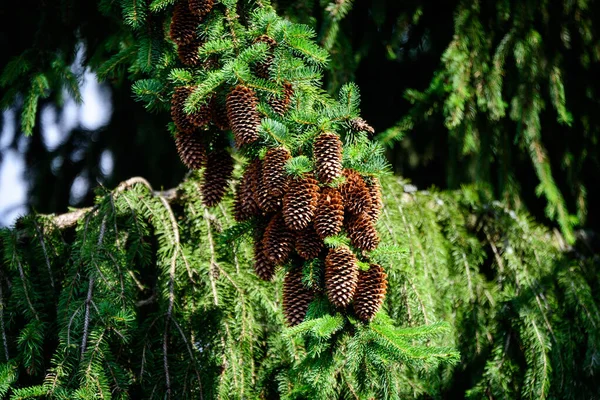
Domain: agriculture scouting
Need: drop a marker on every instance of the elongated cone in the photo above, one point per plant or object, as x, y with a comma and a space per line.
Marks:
219, 167
376, 201
200, 8
356, 195
188, 53
191, 149
296, 297
300, 202
245, 205
328, 157
281, 105
188, 122
308, 243
219, 117
329, 217
261, 69
360, 125
362, 232
278, 241
242, 114
274, 176
341, 276
264, 268
370, 292
183, 23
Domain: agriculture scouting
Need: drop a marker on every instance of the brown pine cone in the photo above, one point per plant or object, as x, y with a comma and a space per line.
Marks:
188, 122
341, 276
281, 105
278, 241
261, 69
274, 175
242, 114
356, 195
183, 23
362, 232
360, 125
328, 157
219, 116
300, 202
264, 268
219, 167
370, 292
296, 297
329, 217
245, 206
188, 53
308, 244
376, 200
191, 149
200, 8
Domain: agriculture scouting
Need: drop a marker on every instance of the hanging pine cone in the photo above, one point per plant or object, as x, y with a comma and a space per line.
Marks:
370, 292
308, 244
242, 115
296, 297
188, 122
219, 167
245, 206
329, 216
328, 157
274, 176
183, 23
281, 105
200, 8
266, 201
360, 125
264, 268
376, 201
188, 53
219, 116
278, 241
362, 232
341, 275
300, 202
191, 149
357, 198
261, 69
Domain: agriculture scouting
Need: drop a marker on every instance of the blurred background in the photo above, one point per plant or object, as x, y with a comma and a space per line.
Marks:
501, 94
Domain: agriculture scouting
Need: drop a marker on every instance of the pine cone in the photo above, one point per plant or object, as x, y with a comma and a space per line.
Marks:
376, 201
362, 232
219, 117
219, 167
328, 157
357, 198
191, 149
278, 241
242, 115
188, 122
264, 268
329, 217
308, 244
281, 105
245, 206
341, 275
183, 23
274, 175
266, 201
370, 292
261, 69
188, 53
300, 202
200, 8
296, 297
360, 125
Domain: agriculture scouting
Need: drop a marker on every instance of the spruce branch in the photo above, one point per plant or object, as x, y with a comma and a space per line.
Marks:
2, 327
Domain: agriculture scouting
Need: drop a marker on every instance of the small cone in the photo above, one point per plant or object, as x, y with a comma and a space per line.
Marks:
278, 241
242, 115
328, 157
219, 167
300, 202
376, 201
370, 292
191, 149
296, 297
360, 125
245, 206
188, 53
200, 8
341, 276
362, 232
329, 216
183, 24
261, 69
274, 176
264, 268
357, 198
281, 105
308, 244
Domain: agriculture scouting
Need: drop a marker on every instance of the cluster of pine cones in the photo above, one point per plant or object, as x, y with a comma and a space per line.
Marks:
295, 214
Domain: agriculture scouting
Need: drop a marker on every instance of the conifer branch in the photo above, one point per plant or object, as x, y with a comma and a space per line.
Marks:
43, 244
2, 327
